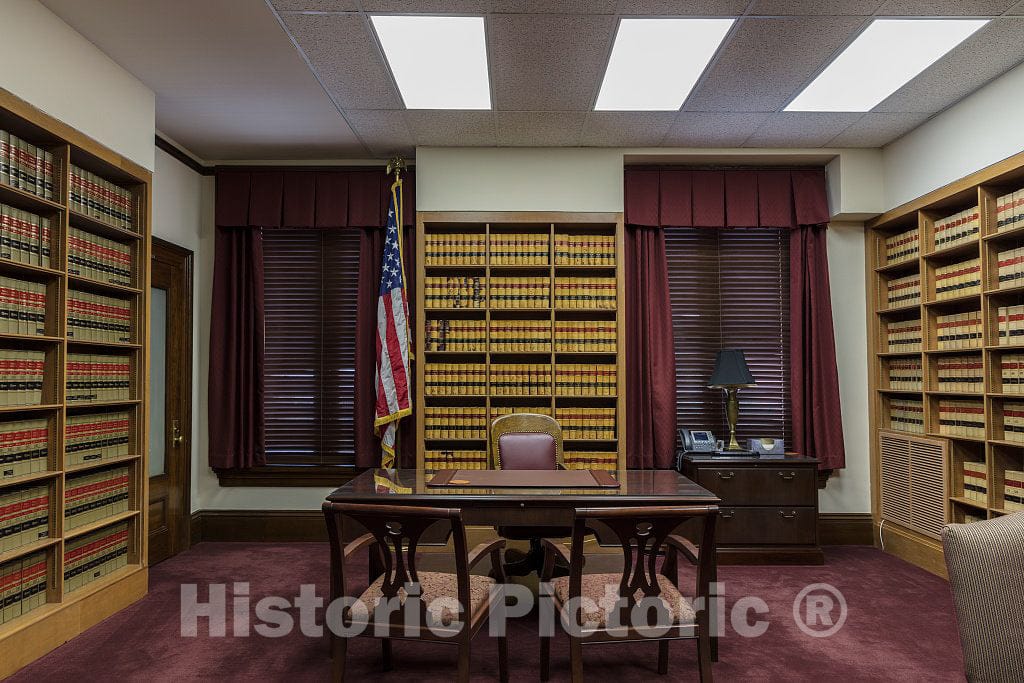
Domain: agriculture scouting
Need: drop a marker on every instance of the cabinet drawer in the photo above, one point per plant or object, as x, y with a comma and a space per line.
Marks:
760, 485
766, 526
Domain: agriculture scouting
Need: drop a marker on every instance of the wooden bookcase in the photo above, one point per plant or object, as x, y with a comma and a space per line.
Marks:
73, 606
488, 229
988, 447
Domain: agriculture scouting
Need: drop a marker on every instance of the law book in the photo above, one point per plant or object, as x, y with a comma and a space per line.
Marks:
905, 374
1013, 490
906, 415
902, 247
975, 481
960, 374
1013, 422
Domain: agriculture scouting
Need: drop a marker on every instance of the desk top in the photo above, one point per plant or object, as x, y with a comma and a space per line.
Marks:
637, 487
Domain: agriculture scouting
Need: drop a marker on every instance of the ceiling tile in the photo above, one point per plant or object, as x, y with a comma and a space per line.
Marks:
811, 7
702, 8
800, 129
427, 6
985, 55
626, 129
345, 56
547, 62
943, 8
766, 60
539, 129
875, 129
553, 6
315, 5
1017, 9
718, 129
383, 131
451, 128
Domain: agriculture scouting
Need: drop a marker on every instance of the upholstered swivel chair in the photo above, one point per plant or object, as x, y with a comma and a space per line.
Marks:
527, 441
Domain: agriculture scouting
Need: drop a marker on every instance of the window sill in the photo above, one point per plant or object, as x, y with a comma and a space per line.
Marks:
289, 475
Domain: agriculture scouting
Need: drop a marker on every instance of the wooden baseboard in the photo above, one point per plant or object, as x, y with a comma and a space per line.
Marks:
845, 528
914, 548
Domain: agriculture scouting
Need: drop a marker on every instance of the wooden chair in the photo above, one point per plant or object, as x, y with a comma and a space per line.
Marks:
394, 532
527, 441
642, 533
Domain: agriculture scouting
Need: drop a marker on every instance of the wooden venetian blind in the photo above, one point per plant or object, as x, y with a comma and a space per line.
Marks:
730, 289
310, 287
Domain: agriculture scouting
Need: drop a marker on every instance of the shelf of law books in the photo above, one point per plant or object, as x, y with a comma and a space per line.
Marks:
73, 266
518, 316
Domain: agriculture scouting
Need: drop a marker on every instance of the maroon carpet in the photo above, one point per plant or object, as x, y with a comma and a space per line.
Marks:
900, 626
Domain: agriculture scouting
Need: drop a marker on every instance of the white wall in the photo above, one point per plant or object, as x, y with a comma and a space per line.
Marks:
73, 81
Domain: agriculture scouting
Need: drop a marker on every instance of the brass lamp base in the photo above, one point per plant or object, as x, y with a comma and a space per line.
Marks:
732, 414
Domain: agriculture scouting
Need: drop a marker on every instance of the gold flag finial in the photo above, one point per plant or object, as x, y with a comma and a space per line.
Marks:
396, 165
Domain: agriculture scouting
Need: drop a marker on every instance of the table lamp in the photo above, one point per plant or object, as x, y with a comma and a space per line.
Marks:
731, 373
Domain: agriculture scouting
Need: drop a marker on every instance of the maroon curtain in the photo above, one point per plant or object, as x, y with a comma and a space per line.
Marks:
650, 360
249, 200
792, 199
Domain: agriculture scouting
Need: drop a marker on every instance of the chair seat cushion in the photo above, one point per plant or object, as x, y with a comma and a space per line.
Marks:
603, 590
433, 585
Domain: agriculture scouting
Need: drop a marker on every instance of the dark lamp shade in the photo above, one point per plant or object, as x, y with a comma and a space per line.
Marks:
730, 370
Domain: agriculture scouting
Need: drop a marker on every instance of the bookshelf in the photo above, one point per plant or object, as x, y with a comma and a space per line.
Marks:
955, 358
519, 312
74, 267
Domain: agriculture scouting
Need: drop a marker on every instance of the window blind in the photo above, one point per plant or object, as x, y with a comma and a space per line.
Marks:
310, 287
729, 288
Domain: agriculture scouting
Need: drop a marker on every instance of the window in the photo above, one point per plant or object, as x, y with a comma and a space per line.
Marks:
730, 289
310, 288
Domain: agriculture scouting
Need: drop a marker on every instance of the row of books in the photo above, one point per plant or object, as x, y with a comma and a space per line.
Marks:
455, 460
905, 374
520, 250
574, 336
903, 291
22, 586
498, 411
520, 335
975, 481
22, 306
101, 199
96, 437
94, 555
1010, 267
591, 460
962, 418
455, 292
24, 237
902, 247
95, 495
586, 423
96, 377
585, 250
1013, 490
958, 279
24, 447
98, 258
1010, 211
455, 335
962, 226
573, 379
24, 515
520, 292
958, 331
1013, 422
94, 317
960, 373
970, 517
1011, 373
455, 249
455, 379
26, 166
463, 422
903, 336
906, 415
585, 293
520, 379
21, 377
1010, 325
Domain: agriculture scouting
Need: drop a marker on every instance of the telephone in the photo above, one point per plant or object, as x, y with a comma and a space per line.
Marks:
697, 441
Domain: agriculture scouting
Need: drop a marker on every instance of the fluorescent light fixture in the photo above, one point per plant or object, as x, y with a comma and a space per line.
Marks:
656, 62
438, 62
885, 56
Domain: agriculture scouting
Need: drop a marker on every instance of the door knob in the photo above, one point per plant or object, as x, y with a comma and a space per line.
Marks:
177, 438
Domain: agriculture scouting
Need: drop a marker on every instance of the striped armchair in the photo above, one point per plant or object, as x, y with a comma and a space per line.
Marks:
986, 573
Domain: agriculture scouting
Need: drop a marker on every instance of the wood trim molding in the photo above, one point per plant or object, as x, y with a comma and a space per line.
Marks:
175, 152
845, 528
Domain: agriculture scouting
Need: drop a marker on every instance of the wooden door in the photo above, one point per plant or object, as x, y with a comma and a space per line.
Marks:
170, 415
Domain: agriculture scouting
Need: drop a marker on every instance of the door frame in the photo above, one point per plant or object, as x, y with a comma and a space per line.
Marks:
184, 536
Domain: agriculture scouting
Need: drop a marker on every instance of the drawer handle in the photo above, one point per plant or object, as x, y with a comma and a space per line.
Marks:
727, 515
791, 515
788, 476
726, 475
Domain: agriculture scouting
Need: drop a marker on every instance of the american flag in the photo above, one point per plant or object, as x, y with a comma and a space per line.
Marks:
393, 398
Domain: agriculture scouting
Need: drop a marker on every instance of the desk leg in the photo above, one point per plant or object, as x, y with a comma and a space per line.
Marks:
714, 615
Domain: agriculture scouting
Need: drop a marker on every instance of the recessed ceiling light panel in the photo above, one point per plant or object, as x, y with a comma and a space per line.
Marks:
883, 58
656, 62
438, 62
